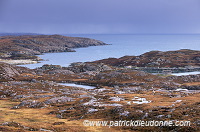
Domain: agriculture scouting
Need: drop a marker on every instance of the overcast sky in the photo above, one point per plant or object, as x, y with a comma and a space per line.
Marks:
100, 16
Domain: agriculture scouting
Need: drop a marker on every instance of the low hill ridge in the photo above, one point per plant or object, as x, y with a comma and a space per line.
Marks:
37, 44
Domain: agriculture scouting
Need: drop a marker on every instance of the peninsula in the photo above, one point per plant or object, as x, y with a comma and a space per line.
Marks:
26, 47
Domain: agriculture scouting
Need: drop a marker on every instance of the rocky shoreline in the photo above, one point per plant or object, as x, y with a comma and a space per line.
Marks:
27, 46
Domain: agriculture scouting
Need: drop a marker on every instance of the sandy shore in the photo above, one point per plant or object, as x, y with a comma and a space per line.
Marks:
18, 62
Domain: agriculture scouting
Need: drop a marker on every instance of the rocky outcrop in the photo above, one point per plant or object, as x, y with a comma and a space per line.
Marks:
85, 67
9, 72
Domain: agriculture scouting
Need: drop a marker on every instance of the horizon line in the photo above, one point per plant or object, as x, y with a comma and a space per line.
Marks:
100, 33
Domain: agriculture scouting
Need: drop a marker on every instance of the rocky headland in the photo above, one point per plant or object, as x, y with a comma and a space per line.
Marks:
28, 46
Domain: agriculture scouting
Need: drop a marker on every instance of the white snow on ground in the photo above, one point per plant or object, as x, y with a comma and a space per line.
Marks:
139, 100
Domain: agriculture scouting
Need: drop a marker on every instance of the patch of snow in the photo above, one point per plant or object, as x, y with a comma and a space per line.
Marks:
181, 89
178, 101
139, 100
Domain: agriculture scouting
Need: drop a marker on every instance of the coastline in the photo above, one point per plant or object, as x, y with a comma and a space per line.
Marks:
118, 92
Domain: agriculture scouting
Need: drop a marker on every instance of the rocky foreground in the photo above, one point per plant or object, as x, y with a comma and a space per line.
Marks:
34, 100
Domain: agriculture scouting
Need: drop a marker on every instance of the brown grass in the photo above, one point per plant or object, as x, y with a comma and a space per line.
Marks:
40, 118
